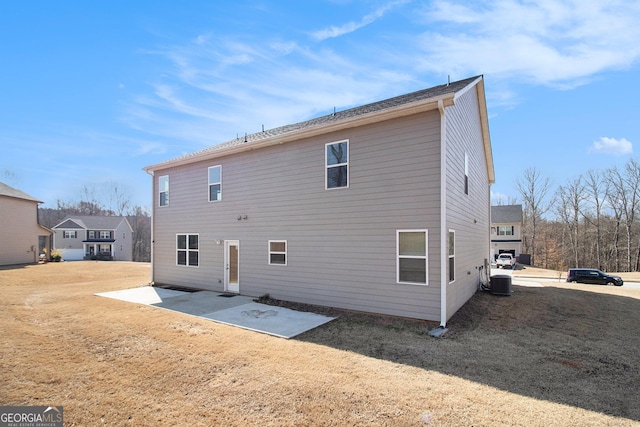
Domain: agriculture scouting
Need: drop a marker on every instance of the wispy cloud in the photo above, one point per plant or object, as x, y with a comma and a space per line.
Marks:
211, 88
611, 146
558, 43
219, 88
350, 27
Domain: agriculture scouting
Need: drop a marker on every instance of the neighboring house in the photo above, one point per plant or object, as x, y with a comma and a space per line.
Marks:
23, 238
506, 230
94, 237
382, 208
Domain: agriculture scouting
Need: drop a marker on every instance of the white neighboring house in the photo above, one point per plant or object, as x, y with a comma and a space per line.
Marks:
23, 239
94, 237
506, 230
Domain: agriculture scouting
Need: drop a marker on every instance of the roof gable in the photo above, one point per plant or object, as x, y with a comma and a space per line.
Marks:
506, 214
88, 222
70, 224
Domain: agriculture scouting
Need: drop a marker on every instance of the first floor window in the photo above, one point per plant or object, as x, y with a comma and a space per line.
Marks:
278, 252
105, 249
452, 256
412, 256
337, 164
215, 183
187, 249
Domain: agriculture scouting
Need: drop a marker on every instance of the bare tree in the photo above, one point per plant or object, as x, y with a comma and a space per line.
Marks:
596, 188
118, 198
534, 190
570, 205
625, 194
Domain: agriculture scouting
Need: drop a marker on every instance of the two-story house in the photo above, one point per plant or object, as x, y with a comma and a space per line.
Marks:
94, 237
381, 208
506, 230
23, 239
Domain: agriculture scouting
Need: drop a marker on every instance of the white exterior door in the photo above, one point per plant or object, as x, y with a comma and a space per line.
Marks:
232, 266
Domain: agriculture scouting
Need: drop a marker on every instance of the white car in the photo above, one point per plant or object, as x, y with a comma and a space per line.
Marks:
506, 260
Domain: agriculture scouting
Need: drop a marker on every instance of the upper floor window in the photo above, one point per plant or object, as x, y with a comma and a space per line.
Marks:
215, 183
105, 234
466, 173
506, 230
337, 164
92, 234
68, 234
163, 188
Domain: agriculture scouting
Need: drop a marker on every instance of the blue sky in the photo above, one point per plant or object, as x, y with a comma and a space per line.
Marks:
91, 92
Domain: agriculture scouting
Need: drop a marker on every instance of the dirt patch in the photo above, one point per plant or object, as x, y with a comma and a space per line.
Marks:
544, 356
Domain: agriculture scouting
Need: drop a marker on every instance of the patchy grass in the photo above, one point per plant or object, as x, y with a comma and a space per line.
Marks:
556, 355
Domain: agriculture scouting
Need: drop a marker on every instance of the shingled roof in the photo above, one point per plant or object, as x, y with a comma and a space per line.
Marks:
89, 222
506, 214
417, 97
8, 191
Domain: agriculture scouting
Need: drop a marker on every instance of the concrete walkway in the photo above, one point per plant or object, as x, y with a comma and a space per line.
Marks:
235, 310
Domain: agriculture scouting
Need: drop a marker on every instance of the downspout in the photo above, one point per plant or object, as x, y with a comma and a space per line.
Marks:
443, 215
153, 212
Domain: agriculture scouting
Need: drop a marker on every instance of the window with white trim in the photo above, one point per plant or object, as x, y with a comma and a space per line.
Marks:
215, 183
187, 249
452, 256
337, 164
277, 252
105, 235
466, 173
505, 230
163, 188
411, 248
68, 234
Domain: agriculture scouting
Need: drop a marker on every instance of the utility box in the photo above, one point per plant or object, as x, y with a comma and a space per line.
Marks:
500, 285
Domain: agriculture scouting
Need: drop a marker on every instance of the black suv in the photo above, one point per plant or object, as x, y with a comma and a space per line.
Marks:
592, 276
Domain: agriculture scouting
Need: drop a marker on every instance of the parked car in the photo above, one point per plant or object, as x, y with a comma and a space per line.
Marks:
592, 276
506, 260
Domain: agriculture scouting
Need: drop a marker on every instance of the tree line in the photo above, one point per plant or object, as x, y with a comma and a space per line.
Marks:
113, 202
592, 220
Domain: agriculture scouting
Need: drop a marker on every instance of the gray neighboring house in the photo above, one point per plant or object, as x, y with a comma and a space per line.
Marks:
84, 237
506, 230
382, 208
23, 238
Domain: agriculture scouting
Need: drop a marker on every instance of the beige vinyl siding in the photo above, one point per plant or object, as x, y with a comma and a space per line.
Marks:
19, 232
341, 244
468, 214
123, 242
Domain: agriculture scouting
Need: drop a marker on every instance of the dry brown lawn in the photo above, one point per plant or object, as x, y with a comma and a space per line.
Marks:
552, 356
